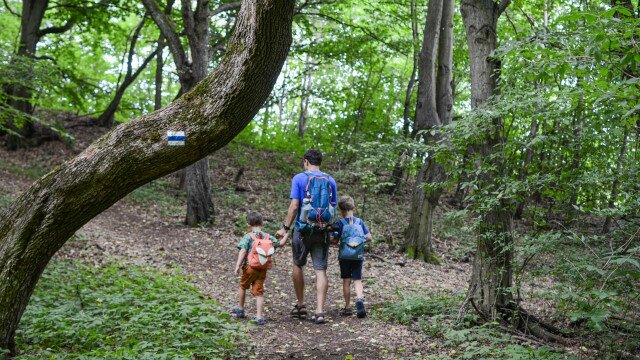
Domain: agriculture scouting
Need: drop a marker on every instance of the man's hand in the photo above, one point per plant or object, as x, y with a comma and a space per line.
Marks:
280, 233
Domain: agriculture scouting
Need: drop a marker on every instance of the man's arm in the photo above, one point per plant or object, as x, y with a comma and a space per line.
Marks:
291, 215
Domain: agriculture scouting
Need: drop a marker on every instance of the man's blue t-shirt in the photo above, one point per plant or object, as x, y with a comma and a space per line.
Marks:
299, 184
337, 227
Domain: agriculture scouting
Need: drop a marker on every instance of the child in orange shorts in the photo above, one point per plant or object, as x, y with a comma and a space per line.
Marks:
253, 276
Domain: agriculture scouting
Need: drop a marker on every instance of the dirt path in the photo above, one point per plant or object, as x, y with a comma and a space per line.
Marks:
145, 235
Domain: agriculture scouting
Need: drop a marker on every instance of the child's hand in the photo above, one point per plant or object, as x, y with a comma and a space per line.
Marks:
284, 239
237, 270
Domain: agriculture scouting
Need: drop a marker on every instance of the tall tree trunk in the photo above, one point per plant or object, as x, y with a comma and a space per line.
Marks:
42, 218
616, 180
492, 275
30, 21
198, 183
157, 99
304, 103
433, 109
398, 169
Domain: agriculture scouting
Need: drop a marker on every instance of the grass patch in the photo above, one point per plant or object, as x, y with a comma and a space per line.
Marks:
436, 315
122, 312
33, 171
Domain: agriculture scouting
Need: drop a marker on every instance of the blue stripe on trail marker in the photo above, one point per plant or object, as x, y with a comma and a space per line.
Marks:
176, 137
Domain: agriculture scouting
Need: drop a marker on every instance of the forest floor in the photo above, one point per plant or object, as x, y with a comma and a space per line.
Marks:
146, 228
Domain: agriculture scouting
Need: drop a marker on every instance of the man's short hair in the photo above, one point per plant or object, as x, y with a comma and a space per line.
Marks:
313, 156
346, 203
254, 219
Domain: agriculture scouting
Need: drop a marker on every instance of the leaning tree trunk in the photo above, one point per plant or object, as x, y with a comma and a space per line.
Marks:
492, 276
42, 218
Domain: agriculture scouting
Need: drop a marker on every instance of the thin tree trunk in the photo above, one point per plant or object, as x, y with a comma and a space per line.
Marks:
304, 103
42, 218
616, 180
157, 103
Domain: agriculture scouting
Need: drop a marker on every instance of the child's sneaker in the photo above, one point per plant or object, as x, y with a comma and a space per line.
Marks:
360, 311
259, 321
237, 313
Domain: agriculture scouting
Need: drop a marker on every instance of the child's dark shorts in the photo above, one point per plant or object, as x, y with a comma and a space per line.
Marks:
254, 279
351, 269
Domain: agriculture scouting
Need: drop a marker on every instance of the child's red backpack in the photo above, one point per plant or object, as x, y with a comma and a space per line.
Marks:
261, 252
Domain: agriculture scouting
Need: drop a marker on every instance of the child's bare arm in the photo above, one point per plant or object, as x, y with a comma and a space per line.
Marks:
284, 239
241, 255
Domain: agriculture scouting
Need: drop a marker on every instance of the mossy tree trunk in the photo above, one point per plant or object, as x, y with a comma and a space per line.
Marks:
42, 218
492, 277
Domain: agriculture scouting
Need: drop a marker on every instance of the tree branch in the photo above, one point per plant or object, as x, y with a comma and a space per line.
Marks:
56, 29
226, 7
368, 32
502, 7
6, 5
168, 30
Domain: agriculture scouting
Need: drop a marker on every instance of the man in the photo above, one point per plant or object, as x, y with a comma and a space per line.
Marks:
315, 242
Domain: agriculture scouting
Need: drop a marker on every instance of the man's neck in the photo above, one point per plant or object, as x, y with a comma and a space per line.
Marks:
256, 228
313, 167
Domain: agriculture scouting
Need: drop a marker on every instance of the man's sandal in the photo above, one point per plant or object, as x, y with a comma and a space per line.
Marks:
299, 311
346, 311
318, 318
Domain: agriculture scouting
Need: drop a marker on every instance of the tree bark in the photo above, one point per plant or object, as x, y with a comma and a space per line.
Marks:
492, 276
42, 218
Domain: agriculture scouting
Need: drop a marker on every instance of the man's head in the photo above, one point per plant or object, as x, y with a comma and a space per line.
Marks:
254, 219
312, 158
346, 204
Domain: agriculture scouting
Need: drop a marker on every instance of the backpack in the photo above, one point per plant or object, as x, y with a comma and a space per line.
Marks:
261, 252
318, 205
351, 241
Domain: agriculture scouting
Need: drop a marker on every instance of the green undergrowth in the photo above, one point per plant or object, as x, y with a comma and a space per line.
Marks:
33, 171
160, 193
435, 316
121, 311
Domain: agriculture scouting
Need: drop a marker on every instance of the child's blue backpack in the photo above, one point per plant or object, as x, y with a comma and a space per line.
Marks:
351, 241
317, 210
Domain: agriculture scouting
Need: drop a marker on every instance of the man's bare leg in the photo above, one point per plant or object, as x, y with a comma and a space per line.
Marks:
322, 285
298, 283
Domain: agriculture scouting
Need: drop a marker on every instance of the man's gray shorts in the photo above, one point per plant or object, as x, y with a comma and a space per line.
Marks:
315, 243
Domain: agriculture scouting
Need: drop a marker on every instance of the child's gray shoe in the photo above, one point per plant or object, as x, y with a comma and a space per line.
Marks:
259, 321
237, 312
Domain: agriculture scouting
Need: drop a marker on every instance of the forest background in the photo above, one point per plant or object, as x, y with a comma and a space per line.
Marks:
518, 121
